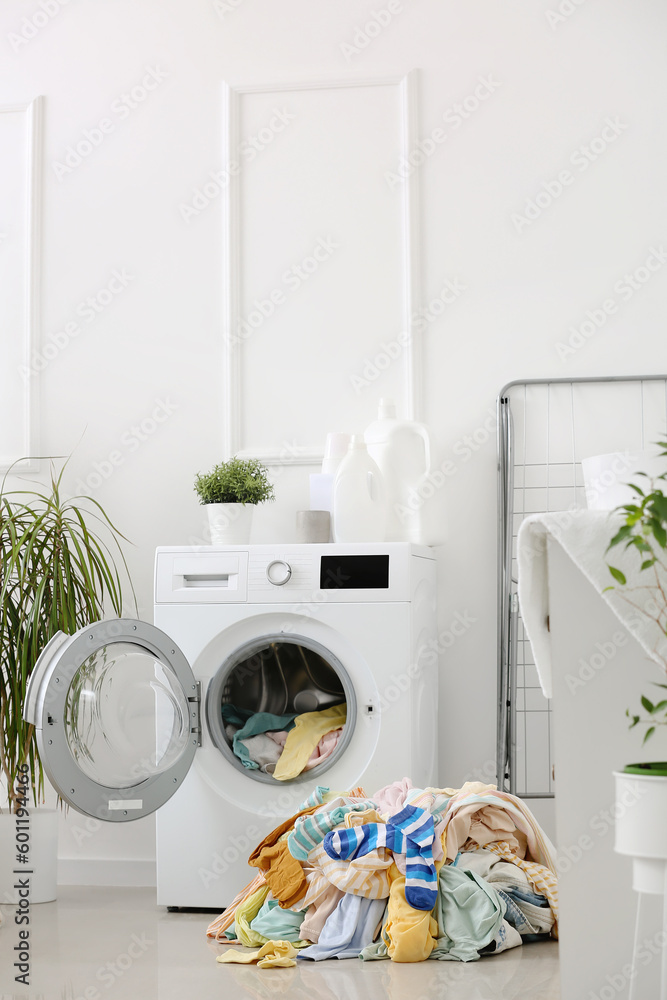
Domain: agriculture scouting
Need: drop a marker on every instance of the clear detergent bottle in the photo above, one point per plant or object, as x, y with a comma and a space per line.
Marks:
402, 452
359, 497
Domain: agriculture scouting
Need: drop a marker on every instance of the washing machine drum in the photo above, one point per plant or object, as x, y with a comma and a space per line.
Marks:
280, 675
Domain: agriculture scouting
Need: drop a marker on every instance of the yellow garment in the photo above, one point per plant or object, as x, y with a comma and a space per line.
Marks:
366, 816
408, 933
274, 954
309, 729
217, 927
245, 914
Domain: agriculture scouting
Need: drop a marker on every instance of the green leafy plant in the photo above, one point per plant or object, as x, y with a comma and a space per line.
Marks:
240, 480
644, 528
56, 573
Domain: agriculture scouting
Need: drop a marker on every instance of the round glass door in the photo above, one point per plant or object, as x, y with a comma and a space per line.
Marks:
119, 740
116, 709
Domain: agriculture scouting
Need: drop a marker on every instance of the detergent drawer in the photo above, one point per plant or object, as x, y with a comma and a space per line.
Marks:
199, 576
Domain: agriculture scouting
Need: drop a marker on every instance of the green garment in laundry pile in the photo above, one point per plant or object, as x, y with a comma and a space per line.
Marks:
469, 913
245, 913
252, 724
260, 919
374, 952
277, 924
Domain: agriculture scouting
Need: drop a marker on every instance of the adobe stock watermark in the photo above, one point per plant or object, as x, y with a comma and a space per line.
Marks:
617, 982
582, 158
248, 150
454, 117
427, 655
111, 972
365, 33
618, 471
283, 803
391, 350
464, 449
224, 7
564, 10
237, 849
597, 661
121, 109
34, 23
88, 309
624, 289
292, 279
601, 824
130, 441
561, 520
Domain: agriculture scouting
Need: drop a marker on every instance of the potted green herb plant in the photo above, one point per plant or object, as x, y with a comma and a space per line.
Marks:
60, 562
230, 492
640, 830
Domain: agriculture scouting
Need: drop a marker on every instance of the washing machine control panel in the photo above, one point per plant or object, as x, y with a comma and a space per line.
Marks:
338, 573
278, 572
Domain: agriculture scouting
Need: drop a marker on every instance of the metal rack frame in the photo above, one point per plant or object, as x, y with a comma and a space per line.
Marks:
509, 624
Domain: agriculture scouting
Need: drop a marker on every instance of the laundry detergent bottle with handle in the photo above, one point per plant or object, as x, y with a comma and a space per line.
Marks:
359, 497
402, 451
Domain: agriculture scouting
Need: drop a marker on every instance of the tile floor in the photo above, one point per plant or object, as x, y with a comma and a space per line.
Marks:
95, 943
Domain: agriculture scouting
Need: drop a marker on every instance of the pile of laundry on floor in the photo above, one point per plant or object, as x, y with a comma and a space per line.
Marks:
405, 874
283, 745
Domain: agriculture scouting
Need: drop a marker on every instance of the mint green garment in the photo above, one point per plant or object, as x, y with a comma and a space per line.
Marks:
276, 924
469, 912
253, 723
374, 952
378, 950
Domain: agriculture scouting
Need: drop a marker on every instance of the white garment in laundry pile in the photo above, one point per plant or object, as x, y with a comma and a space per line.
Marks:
504, 875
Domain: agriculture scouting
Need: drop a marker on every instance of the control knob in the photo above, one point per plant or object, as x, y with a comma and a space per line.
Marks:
278, 572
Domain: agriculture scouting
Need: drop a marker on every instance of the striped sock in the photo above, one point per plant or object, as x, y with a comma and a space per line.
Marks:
410, 832
421, 880
309, 831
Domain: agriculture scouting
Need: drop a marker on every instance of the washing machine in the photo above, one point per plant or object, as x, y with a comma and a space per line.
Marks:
129, 716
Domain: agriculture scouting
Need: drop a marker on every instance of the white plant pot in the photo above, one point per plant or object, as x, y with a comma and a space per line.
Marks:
641, 821
41, 870
230, 523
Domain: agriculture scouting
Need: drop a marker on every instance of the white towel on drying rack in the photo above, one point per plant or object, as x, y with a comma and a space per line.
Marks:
584, 535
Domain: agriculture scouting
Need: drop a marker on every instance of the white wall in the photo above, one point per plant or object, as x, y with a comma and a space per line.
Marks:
555, 84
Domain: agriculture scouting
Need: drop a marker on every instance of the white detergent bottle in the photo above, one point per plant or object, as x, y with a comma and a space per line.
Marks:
359, 497
402, 452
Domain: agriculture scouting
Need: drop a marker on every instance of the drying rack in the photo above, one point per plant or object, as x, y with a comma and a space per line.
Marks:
545, 428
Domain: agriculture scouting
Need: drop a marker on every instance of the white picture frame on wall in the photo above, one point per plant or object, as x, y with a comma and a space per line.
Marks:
389, 103
20, 257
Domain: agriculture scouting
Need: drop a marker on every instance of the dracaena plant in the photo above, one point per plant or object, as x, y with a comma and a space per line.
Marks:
60, 563
644, 529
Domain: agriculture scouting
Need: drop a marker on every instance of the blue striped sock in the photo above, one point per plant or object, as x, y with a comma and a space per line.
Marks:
410, 832
421, 880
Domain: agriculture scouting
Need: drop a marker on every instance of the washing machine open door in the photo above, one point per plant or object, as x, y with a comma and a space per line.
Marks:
116, 711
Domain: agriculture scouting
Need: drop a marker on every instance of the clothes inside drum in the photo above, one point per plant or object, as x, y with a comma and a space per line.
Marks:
284, 709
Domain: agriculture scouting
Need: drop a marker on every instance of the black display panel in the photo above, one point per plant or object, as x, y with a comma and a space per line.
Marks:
368, 572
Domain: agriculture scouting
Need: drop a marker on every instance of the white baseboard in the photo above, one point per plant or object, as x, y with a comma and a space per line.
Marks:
105, 871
